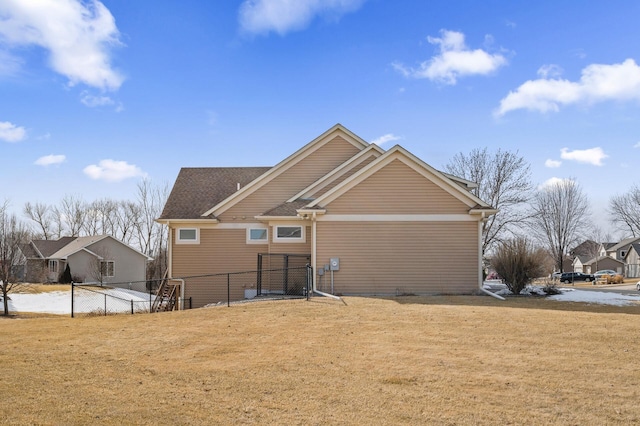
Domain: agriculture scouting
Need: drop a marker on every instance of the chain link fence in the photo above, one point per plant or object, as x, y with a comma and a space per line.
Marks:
190, 291
96, 299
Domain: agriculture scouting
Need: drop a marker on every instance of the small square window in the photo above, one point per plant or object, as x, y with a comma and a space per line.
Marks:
187, 236
257, 236
107, 268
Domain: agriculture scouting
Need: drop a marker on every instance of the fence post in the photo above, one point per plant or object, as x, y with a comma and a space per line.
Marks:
72, 299
228, 290
131, 306
105, 304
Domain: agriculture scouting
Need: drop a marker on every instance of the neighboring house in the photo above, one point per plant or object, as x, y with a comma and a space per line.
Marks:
395, 224
603, 262
632, 261
578, 263
619, 250
100, 259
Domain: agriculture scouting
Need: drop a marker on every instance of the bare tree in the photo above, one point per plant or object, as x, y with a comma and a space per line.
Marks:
40, 213
560, 214
74, 211
504, 182
150, 234
625, 211
13, 234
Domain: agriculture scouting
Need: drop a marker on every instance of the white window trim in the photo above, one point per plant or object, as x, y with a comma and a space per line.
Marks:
250, 241
182, 241
301, 239
56, 263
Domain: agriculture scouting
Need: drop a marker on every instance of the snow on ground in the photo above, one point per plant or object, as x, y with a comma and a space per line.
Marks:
119, 300
59, 302
571, 295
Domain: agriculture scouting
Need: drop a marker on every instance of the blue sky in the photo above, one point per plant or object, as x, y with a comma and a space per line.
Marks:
95, 96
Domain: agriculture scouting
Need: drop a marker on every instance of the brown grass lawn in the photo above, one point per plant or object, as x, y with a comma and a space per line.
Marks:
411, 360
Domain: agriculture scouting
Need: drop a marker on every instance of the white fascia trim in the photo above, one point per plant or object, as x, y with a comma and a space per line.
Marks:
279, 219
338, 171
399, 153
285, 164
486, 212
182, 221
396, 218
248, 225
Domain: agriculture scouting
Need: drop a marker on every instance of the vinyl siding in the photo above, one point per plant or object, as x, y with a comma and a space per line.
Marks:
396, 189
332, 184
295, 179
391, 258
223, 251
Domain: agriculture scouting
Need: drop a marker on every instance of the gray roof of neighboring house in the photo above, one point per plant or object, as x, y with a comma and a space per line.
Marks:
197, 189
623, 243
601, 258
76, 245
46, 247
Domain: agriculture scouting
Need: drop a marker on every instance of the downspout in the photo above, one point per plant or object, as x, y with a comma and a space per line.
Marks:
480, 286
313, 259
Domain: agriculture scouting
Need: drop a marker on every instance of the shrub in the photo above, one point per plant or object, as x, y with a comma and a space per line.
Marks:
518, 262
65, 277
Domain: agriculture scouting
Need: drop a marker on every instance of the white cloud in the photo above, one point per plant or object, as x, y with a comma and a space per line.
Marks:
283, 16
389, 137
113, 171
550, 70
598, 83
11, 133
95, 101
592, 156
77, 34
553, 164
551, 182
48, 160
637, 145
454, 61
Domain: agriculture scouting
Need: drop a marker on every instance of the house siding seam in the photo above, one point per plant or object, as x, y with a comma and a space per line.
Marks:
295, 179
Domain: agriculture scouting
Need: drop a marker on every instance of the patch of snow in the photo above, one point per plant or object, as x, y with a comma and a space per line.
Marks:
569, 295
118, 300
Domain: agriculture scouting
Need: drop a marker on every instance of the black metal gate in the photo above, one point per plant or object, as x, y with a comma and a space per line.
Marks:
281, 273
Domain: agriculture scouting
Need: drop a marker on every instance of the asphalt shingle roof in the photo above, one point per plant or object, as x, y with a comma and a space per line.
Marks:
197, 189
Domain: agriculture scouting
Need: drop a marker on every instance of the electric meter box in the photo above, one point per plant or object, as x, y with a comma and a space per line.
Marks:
334, 264
321, 272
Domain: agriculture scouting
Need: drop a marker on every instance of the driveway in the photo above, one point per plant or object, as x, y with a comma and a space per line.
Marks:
627, 288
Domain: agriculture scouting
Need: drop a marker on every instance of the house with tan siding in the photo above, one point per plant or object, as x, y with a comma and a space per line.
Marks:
394, 224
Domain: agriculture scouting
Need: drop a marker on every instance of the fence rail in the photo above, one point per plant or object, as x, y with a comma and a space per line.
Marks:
201, 290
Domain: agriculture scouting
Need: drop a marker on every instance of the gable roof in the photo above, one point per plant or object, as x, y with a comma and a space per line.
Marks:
399, 153
623, 243
66, 246
45, 248
602, 258
197, 189
633, 247
287, 163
